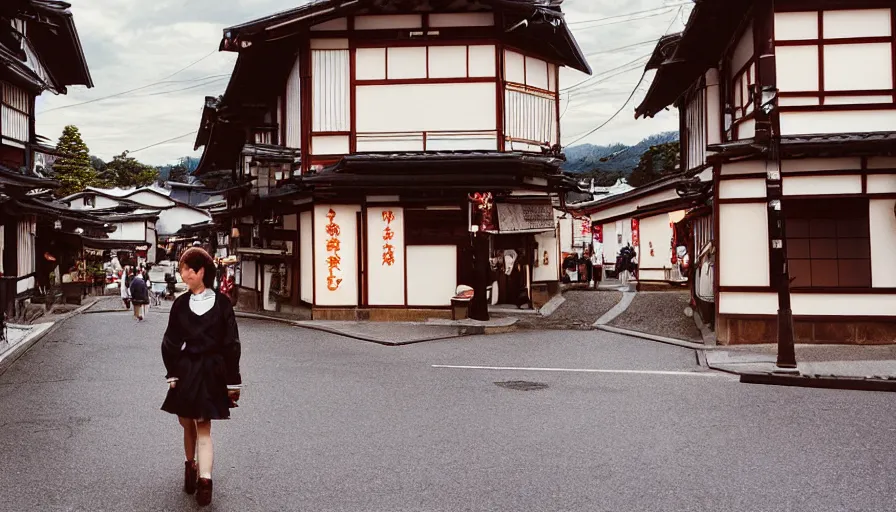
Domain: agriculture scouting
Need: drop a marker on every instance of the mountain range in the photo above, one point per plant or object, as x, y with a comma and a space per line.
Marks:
619, 157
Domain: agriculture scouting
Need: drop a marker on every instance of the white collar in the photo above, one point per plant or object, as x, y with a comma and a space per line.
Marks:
207, 294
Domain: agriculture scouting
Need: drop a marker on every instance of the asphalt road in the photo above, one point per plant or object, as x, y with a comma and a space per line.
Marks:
328, 423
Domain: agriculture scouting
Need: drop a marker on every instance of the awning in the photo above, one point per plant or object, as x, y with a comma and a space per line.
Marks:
107, 243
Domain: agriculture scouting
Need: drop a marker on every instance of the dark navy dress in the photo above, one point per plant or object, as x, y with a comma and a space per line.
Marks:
203, 352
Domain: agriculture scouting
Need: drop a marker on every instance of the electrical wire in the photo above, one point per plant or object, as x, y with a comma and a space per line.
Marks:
181, 70
602, 52
224, 77
164, 141
665, 8
630, 96
602, 73
116, 95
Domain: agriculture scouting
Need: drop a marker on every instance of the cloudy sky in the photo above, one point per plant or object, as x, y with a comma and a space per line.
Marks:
130, 44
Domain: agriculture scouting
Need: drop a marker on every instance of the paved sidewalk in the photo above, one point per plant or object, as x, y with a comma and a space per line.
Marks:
813, 361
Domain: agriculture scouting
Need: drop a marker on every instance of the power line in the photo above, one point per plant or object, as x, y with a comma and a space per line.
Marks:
612, 50
103, 98
573, 87
588, 91
184, 89
164, 141
181, 70
664, 8
630, 96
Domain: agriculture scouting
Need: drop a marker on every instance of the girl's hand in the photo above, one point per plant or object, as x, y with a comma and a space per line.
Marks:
234, 394
172, 384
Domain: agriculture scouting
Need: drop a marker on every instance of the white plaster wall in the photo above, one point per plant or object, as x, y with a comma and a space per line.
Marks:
425, 107
882, 162
746, 129
657, 231
482, 61
149, 199
857, 100
565, 228
713, 109
741, 303
743, 245
821, 185
514, 67
370, 63
821, 164
347, 293
385, 284
379, 22
796, 26
797, 68
824, 304
857, 23
294, 107
738, 189
129, 231
536, 73
447, 61
330, 145
432, 274
746, 167
743, 51
881, 183
337, 24
173, 219
100, 202
306, 258
465, 19
883, 243
857, 67
547, 246
406, 62
651, 275
847, 121
610, 247
247, 274
633, 204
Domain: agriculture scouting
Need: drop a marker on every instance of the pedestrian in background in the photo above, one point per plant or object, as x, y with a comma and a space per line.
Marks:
124, 282
201, 352
139, 295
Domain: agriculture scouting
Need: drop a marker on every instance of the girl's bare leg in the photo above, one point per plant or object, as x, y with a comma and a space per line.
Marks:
204, 445
189, 426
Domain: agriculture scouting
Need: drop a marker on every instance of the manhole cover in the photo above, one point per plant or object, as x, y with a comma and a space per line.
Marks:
522, 385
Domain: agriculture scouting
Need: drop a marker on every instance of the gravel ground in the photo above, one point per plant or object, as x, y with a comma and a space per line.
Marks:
580, 311
661, 314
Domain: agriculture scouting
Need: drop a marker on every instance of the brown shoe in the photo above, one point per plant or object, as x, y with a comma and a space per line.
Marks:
191, 473
204, 492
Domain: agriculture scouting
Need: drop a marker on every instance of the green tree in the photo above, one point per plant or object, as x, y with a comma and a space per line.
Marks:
72, 169
178, 172
125, 171
657, 162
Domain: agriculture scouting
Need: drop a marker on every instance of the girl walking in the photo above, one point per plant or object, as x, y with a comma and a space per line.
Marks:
201, 352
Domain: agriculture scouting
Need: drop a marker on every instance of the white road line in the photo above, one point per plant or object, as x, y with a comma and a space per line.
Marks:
581, 370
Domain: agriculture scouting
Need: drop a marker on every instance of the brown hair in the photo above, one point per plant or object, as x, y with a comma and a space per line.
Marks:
196, 258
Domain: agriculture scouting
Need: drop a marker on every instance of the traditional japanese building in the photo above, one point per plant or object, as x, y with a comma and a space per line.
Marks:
39, 51
792, 106
368, 149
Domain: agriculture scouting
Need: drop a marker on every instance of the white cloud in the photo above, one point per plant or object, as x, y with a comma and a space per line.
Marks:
131, 43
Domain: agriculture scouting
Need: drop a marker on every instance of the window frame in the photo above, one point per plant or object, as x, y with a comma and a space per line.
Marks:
859, 210
821, 43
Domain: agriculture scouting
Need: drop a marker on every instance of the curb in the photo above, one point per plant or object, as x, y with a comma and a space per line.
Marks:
462, 331
618, 309
888, 386
652, 337
10, 357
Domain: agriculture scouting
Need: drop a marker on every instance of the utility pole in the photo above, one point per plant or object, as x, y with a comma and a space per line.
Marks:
768, 132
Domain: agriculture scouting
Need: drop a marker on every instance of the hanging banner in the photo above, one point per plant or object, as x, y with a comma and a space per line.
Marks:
636, 236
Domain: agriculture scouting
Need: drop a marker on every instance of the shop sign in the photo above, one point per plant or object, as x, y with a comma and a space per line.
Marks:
333, 246
525, 217
388, 235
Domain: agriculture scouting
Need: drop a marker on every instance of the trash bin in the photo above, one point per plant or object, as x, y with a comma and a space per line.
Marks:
460, 308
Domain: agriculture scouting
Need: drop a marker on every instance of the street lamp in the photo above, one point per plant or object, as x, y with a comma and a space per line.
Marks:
768, 108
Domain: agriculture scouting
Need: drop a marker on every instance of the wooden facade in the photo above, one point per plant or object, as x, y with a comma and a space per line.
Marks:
349, 175
833, 65
39, 51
